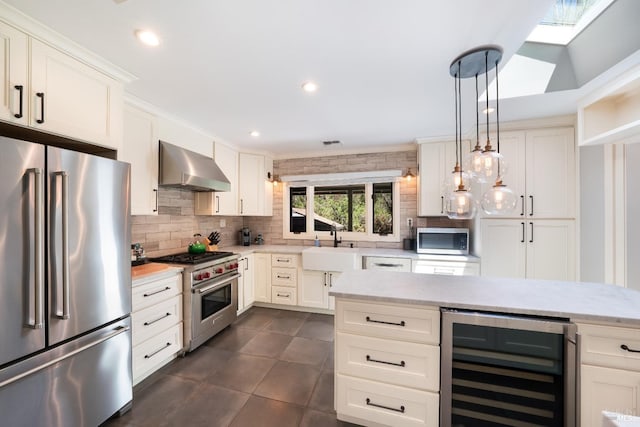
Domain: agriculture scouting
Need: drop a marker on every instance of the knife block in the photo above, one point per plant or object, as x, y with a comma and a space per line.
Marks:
212, 248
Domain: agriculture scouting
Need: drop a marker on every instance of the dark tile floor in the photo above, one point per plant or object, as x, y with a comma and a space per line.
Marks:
269, 368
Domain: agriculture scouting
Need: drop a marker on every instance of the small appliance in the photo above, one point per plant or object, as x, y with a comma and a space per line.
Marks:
442, 241
245, 236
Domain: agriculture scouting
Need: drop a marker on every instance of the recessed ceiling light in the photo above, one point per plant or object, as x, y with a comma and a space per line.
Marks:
309, 87
488, 110
255, 133
147, 37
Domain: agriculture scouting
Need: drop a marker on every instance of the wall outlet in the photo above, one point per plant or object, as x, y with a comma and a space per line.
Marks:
409, 222
223, 223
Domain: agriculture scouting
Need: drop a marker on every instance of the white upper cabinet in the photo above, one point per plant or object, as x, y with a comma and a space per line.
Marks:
436, 161
221, 202
255, 192
541, 172
140, 148
48, 90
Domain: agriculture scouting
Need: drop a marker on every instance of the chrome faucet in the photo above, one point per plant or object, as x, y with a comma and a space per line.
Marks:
334, 233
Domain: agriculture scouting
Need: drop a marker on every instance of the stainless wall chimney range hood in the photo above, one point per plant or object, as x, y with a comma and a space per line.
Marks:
181, 168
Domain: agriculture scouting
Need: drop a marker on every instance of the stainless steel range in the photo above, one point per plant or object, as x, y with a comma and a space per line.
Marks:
210, 293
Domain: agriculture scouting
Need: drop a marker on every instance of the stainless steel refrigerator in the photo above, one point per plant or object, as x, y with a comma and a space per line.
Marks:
65, 286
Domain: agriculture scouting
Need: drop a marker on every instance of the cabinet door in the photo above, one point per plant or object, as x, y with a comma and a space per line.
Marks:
140, 148
512, 148
503, 248
550, 173
227, 159
607, 389
313, 289
13, 72
76, 101
551, 249
249, 280
332, 277
432, 159
251, 184
262, 277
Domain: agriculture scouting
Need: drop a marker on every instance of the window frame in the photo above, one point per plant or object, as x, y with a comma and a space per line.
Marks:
367, 236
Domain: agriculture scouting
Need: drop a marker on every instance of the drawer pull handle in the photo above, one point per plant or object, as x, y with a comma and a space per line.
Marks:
156, 292
283, 260
283, 295
384, 264
401, 410
401, 323
283, 277
401, 364
630, 350
149, 356
157, 320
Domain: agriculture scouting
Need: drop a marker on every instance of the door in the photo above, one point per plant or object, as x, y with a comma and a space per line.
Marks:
90, 274
606, 389
551, 249
247, 272
262, 277
13, 75
550, 173
21, 249
313, 289
227, 159
251, 185
503, 248
430, 180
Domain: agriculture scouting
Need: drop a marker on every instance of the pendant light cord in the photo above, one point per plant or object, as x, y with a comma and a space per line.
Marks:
477, 115
455, 93
497, 110
486, 82
459, 123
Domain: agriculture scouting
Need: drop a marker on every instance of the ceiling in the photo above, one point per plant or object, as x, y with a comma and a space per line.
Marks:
231, 67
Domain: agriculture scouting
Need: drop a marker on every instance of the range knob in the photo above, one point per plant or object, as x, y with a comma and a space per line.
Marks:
198, 276
207, 275
219, 270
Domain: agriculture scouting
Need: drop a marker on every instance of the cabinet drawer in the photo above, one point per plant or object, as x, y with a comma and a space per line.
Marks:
386, 404
155, 352
155, 319
281, 276
396, 362
284, 260
152, 293
602, 345
397, 322
390, 264
283, 295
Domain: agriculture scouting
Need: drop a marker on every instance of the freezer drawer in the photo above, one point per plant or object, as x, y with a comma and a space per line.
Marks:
81, 383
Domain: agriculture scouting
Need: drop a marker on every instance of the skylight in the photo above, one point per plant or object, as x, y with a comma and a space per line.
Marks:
566, 19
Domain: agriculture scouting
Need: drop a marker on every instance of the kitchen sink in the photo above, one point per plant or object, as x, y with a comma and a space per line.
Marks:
331, 259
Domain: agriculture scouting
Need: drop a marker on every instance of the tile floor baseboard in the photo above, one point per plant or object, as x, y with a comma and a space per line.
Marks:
271, 367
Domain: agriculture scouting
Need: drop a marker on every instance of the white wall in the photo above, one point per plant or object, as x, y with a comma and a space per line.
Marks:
592, 202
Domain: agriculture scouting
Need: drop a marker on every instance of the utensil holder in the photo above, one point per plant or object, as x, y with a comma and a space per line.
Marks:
212, 248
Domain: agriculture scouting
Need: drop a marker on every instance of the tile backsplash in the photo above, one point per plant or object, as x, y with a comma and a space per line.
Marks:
173, 228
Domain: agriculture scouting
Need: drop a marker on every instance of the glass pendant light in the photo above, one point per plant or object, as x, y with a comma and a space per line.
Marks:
491, 161
460, 203
499, 199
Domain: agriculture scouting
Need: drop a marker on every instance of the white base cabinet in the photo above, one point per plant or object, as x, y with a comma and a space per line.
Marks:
156, 321
609, 372
262, 277
315, 287
387, 364
246, 283
532, 249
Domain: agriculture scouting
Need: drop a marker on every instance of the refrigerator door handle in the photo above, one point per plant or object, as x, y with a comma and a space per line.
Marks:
117, 331
38, 268
65, 244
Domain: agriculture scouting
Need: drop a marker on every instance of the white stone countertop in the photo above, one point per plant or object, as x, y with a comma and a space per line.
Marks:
578, 301
383, 252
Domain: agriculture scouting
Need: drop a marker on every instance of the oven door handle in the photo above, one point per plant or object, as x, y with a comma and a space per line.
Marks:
218, 283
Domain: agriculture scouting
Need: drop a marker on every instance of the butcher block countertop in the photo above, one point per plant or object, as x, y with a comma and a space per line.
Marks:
153, 270
578, 301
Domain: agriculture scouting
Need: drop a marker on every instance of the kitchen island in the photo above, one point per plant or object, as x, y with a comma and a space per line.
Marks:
395, 316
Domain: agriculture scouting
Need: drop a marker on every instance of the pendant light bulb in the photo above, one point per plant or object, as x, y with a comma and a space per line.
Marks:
454, 179
461, 204
499, 200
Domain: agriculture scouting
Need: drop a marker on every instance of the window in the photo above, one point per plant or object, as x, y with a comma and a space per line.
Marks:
341, 206
359, 211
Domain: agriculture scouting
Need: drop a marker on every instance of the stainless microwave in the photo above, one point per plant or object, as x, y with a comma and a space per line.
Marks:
443, 241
